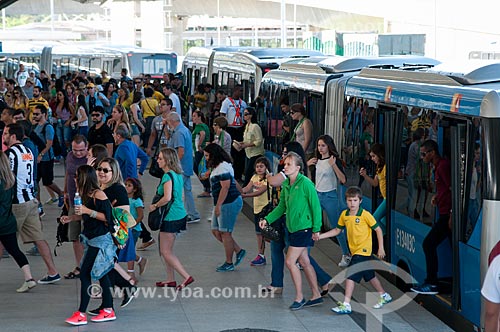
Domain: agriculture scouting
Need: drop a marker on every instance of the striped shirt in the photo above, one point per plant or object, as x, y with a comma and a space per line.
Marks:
22, 163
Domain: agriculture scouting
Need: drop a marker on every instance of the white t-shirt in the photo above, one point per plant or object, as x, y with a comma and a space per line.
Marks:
176, 103
229, 107
491, 285
326, 179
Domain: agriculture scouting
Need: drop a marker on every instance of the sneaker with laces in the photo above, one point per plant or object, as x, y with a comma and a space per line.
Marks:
104, 316
225, 267
259, 260
51, 200
50, 279
192, 220
78, 318
26, 286
239, 257
60, 202
128, 296
146, 245
345, 261
384, 299
426, 289
33, 251
342, 308
95, 311
142, 265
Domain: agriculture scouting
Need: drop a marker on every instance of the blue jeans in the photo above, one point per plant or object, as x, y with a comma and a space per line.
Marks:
278, 256
330, 203
278, 261
188, 198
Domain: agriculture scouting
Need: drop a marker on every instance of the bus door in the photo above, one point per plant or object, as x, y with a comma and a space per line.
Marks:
389, 129
460, 136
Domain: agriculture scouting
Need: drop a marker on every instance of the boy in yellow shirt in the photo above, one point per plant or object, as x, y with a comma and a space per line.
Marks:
359, 224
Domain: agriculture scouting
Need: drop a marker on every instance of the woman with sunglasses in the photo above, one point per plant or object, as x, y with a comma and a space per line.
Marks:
111, 182
19, 100
253, 142
99, 255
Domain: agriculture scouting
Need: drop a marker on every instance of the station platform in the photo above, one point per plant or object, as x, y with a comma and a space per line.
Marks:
229, 301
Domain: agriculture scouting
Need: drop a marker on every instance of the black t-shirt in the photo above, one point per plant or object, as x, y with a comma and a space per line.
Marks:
117, 195
92, 227
103, 135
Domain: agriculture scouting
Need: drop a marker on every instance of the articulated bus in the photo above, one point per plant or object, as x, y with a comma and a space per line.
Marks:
224, 67
463, 102
318, 83
459, 107
60, 59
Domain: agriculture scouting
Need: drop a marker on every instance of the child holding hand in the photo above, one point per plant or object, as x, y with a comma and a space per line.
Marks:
359, 224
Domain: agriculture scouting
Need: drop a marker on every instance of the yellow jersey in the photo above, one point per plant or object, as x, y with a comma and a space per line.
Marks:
359, 231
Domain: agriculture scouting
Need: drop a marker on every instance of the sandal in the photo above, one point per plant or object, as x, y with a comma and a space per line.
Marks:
75, 274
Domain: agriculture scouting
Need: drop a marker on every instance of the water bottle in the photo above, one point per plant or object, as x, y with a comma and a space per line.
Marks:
77, 201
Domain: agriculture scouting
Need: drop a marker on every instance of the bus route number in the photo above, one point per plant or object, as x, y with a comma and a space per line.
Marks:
405, 240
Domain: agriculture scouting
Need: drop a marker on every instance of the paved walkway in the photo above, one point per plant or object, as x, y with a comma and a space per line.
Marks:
214, 302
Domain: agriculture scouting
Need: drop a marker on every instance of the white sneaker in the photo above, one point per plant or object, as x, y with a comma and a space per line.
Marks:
384, 299
345, 261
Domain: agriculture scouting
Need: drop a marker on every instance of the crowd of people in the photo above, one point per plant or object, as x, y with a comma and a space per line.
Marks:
106, 132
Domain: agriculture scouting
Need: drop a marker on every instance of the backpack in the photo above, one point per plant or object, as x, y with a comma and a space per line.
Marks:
56, 145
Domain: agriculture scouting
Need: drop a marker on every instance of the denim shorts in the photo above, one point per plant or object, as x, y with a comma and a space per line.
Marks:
228, 214
135, 130
367, 273
301, 239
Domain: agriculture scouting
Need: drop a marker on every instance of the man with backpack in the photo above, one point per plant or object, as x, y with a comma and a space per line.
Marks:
46, 155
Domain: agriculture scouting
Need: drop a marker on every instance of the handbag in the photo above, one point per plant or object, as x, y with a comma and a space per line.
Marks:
271, 233
154, 168
156, 217
62, 232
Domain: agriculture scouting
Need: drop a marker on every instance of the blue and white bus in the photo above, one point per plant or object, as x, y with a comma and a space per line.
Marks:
463, 102
459, 106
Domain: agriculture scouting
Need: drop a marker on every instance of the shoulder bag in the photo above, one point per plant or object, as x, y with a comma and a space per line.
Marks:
156, 217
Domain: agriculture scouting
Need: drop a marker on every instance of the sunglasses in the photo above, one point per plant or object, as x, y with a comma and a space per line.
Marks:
245, 114
36, 114
423, 154
104, 170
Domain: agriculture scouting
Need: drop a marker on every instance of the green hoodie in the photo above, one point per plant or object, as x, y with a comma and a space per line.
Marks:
301, 204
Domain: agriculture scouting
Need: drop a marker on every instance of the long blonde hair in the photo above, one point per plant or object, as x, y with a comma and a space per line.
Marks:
6, 175
171, 159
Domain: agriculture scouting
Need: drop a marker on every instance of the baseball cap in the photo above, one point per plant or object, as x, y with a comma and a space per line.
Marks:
90, 85
31, 80
178, 76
